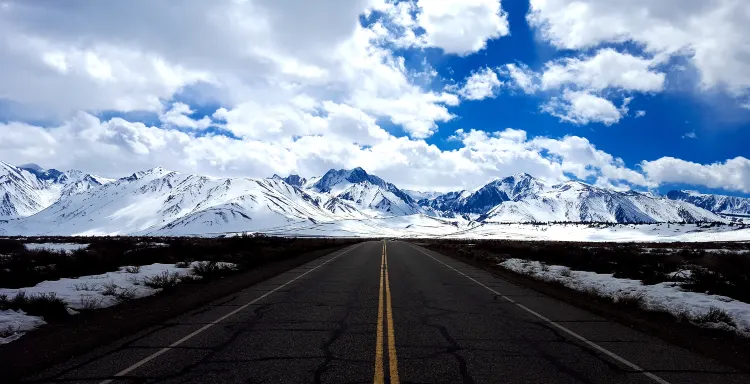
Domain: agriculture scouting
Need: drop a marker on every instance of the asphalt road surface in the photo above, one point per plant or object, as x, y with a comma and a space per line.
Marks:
390, 312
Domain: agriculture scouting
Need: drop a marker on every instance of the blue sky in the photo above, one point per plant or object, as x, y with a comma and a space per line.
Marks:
487, 88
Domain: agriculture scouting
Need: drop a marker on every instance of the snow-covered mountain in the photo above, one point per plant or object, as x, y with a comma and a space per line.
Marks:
486, 197
355, 188
294, 180
420, 195
719, 204
162, 202
159, 201
28, 189
574, 201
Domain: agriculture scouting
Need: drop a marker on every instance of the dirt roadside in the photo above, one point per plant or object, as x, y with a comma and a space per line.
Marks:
56, 343
728, 349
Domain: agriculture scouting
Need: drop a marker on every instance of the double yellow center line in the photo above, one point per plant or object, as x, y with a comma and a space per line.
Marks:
388, 312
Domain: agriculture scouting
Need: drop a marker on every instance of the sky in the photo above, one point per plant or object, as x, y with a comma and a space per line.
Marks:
432, 95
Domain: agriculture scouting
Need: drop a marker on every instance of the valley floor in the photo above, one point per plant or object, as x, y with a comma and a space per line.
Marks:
421, 226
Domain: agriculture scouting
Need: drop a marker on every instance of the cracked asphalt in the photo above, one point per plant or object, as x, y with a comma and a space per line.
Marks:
453, 323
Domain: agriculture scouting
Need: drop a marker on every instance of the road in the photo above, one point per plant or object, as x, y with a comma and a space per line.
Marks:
390, 312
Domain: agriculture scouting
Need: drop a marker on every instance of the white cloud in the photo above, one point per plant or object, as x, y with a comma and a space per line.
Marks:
117, 147
640, 113
580, 158
732, 175
233, 52
179, 116
690, 135
663, 28
607, 69
462, 26
456, 26
480, 85
521, 76
581, 107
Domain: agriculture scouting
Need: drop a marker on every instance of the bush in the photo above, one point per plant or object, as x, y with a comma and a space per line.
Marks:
110, 289
46, 305
163, 280
125, 294
85, 287
133, 269
715, 315
212, 269
90, 303
630, 299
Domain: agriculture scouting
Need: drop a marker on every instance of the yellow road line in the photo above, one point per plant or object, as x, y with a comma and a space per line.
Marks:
379, 375
392, 360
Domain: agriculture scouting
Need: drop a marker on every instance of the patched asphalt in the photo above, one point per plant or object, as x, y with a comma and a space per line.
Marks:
453, 323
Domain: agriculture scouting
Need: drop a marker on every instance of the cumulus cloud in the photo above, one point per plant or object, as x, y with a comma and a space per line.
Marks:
261, 52
580, 88
457, 27
179, 116
117, 147
481, 84
582, 107
521, 76
664, 29
461, 26
732, 174
606, 69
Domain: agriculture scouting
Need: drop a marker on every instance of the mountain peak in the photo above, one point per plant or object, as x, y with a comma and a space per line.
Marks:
32, 167
157, 171
292, 179
335, 177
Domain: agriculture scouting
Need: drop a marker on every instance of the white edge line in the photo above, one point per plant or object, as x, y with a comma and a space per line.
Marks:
558, 326
217, 321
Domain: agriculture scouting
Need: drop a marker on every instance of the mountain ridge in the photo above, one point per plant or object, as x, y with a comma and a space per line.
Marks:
160, 201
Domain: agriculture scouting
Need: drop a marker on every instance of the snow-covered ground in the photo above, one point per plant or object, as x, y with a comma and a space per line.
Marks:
667, 296
94, 291
65, 247
14, 324
618, 233
423, 226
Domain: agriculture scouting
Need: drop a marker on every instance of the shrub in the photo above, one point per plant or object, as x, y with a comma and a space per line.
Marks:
715, 315
163, 280
89, 303
211, 269
133, 269
110, 289
46, 305
85, 287
125, 294
629, 299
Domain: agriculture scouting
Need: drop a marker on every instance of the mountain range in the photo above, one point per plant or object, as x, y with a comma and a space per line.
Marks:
37, 201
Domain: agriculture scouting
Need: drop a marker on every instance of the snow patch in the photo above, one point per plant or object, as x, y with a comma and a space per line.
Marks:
14, 324
55, 247
667, 296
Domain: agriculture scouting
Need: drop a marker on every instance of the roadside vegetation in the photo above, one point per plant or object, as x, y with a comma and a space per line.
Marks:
203, 259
